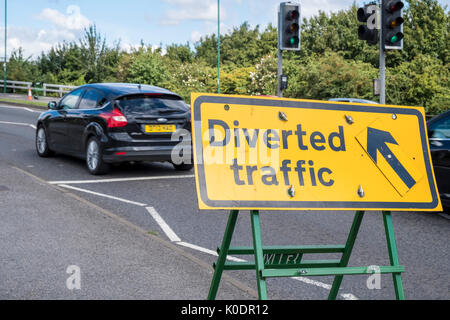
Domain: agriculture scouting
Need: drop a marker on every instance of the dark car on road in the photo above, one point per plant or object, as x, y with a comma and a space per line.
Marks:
439, 136
115, 123
353, 100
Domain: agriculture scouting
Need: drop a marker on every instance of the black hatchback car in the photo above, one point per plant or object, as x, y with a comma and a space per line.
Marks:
114, 123
439, 136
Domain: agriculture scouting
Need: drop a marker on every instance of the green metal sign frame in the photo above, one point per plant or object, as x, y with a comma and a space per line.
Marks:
337, 268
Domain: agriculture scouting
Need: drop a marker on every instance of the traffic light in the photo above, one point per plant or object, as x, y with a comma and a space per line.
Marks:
289, 26
392, 25
368, 31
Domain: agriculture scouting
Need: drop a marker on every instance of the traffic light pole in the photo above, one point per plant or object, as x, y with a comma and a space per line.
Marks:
382, 61
280, 60
279, 73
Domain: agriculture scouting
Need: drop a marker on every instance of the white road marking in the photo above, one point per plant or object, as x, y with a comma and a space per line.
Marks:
346, 296
19, 124
163, 225
121, 179
313, 282
349, 296
173, 237
22, 108
208, 251
103, 195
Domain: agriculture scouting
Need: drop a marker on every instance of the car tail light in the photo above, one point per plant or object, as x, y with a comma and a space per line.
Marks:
114, 119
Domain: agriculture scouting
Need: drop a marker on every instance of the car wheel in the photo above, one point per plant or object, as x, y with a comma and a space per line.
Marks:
94, 157
42, 143
183, 167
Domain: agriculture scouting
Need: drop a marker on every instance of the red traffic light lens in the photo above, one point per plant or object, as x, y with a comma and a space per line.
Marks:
293, 15
395, 6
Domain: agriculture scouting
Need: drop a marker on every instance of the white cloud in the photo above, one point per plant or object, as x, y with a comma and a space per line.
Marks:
65, 27
33, 42
183, 10
74, 20
195, 36
311, 8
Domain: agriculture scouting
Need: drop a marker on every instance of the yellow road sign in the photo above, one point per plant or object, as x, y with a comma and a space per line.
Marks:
271, 153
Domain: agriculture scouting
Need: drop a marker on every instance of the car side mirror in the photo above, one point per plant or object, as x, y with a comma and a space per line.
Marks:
53, 105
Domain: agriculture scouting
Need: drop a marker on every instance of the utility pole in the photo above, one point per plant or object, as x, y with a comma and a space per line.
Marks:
280, 61
382, 60
6, 34
218, 46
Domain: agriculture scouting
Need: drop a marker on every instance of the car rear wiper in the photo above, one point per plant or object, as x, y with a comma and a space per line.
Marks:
167, 111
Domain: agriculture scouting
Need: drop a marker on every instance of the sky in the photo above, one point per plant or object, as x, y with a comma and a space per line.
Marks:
37, 25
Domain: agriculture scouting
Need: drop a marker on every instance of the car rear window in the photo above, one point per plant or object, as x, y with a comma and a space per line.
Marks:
152, 104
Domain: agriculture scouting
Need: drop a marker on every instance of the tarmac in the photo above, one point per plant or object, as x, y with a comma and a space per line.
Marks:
56, 245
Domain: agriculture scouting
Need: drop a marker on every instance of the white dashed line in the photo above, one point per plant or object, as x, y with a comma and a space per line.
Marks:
103, 195
208, 251
163, 225
19, 124
121, 179
173, 237
346, 296
21, 108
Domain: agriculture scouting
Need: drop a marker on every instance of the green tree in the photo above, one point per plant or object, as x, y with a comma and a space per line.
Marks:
329, 76
337, 32
426, 30
179, 53
206, 50
424, 81
100, 60
263, 80
20, 68
148, 67
196, 77
237, 80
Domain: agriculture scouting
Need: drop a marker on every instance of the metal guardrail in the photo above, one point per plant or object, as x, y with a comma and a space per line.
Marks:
43, 87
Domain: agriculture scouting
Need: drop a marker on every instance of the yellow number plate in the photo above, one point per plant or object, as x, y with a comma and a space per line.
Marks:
160, 128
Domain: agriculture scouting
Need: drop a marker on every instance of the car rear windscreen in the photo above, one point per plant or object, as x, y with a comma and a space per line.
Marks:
152, 104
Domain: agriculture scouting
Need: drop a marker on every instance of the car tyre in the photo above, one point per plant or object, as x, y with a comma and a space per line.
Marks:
42, 147
94, 157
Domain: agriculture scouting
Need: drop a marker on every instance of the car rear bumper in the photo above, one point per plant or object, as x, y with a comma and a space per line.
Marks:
445, 203
122, 154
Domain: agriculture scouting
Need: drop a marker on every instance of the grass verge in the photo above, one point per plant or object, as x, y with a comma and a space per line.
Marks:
32, 103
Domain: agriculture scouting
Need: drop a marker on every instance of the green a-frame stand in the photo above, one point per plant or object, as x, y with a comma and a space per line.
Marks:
337, 268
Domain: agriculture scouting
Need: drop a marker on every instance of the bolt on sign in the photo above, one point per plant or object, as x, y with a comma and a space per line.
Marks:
285, 154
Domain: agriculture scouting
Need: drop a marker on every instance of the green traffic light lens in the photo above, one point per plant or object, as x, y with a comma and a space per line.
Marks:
395, 37
293, 41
